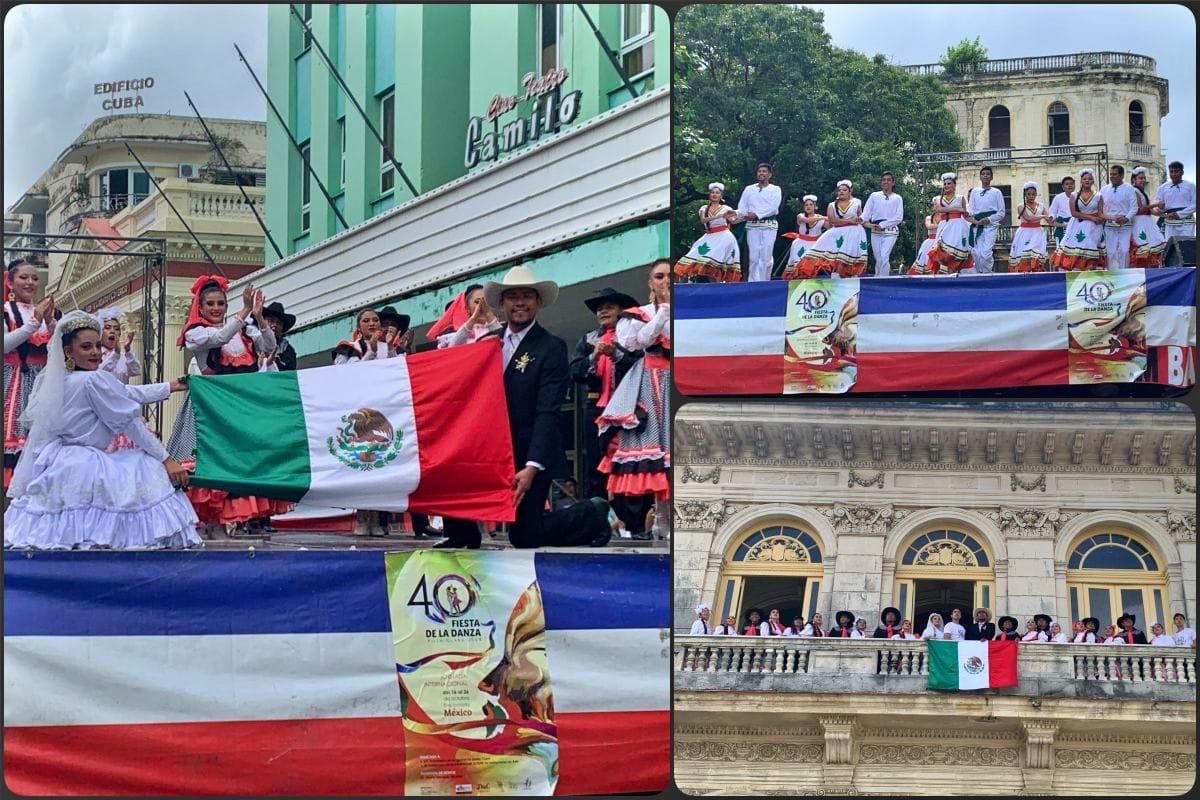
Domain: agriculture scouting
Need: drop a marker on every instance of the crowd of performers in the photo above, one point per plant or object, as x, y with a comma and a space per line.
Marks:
1117, 226
1040, 628
82, 470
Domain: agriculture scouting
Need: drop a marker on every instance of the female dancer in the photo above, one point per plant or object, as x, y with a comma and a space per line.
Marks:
1028, 250
1147, 242
471, 320
934, 628
220, 347
636, 423
808, 230
27, 329
715, 256
840, 251
1082, 245
118, 357
68, 492
370, 339
951, 253
921, 265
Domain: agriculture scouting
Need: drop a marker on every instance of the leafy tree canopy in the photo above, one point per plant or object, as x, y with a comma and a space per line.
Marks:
765, 83
959, 58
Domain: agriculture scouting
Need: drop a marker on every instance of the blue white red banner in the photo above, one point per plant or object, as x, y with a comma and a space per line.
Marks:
277, 674
926, 334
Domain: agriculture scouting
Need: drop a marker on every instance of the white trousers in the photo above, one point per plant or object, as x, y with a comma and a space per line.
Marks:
985, 256
761, 244
1116, 246
881, 246
1180, 229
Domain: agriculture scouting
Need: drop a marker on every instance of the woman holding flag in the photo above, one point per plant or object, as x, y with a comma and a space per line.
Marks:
69, 491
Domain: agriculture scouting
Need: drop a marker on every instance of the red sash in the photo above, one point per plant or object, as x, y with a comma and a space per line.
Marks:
1031, 224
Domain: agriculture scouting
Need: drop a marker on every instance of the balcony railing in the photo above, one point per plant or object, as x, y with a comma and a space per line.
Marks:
734, 663
1062, 63
1141, 150
206, 205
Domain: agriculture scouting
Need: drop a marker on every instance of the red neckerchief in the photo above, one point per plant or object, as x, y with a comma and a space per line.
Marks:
604, 368
845, 632
637, 312
194, 320
889, 631
819, 630
751, 630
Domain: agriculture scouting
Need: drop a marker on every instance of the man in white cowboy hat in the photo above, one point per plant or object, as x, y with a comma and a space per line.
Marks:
536, 378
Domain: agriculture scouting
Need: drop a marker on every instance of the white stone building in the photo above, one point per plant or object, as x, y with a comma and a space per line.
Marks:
1071, 510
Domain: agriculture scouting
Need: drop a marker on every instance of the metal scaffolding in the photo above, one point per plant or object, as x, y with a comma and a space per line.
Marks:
153, 254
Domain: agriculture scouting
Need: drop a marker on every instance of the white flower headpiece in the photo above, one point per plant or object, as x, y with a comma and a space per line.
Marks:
105, 314
808, 197
846, 183
949, 176
716, 185
1029, 185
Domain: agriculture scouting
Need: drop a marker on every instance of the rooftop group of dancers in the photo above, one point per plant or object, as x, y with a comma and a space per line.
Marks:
1115, 227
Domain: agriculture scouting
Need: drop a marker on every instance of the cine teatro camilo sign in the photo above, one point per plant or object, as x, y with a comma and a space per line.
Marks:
549, 112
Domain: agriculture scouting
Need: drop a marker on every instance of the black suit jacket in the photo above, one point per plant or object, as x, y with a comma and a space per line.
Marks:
583, 369
535, 394
285, 356
973, 634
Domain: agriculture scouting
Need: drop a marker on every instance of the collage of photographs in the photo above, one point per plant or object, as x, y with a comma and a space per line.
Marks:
464, 399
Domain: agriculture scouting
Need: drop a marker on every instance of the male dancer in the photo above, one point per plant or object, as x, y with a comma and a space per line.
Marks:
883, 212
1120, 206
759, 205
1181, 195
986, 205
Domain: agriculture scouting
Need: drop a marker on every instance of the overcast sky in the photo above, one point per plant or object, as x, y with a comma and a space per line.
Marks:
913, 34
55, 54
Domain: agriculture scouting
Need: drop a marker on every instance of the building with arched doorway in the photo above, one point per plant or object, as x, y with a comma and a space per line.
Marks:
1071, 510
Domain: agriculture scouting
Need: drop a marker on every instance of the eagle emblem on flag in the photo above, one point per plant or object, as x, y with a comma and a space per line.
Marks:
365, 440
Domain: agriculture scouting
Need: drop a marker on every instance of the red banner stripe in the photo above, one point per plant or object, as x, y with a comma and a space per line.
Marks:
951, 371
613, 753
738, 374
1002, 664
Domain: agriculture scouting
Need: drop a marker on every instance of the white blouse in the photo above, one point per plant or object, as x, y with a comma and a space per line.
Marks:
1162, 640
701, 628
203, 339
932, 633
1059, 638
20, 335
124, 365
97, 407
633, 334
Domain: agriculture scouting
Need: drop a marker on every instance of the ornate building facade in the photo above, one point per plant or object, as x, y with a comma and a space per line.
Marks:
1070, 510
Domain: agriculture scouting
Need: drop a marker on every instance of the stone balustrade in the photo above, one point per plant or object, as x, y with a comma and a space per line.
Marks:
736, 663
206, 206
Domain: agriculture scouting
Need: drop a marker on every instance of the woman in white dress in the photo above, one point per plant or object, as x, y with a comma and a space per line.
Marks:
809, 226
701, 627
1028, 250
1032, 634
951, 254
27, 329
68, 492
1082, 245
715, 256
934, 628
841, 251
1056, 634
921, 265
905, 631
814, 627
1147, 242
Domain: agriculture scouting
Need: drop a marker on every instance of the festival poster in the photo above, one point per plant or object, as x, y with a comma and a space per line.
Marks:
820, 341
1106, 323
469, 636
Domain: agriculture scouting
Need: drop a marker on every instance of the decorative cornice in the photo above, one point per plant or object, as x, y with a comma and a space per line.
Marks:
742, 751
1125, 760
713, 476
863, 517
1016, 481
743, 731
950, 755
1030, 523
949, 466
1091, 738
941, 733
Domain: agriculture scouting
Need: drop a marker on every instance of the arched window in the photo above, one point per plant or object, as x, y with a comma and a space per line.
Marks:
998, 128
1137, 123
1110, 572
940, 569
1059, 123
775, 564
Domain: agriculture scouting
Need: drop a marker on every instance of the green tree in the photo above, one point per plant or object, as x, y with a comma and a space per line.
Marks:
962, 57
765, 83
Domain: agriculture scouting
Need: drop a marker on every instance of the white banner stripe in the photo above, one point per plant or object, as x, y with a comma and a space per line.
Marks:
979, 331
754, 336
972, 665
627, 669
327, 396
103, 680
1170, 325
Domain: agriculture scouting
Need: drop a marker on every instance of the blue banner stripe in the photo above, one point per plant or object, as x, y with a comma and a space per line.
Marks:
730, 300
1034, 292
604, 592
1171, 287
165, 594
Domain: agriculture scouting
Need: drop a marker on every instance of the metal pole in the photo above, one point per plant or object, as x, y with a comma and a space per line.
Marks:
225, 161
279, 118
387, 151
607, 50
187, 227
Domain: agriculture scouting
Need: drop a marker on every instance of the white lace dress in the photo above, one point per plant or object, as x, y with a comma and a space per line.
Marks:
80, 496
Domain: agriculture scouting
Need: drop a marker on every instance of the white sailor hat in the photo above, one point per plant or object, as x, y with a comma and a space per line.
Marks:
846, 183
1138, 171
949, 176
702, 607
808, 197
1029, 185
716, 185
105, 314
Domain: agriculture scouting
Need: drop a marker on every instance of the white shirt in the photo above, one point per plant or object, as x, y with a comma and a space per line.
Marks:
763, 202
203, 338
380, 351
1119, 201
857, 634
701, 628
1177, 195
979, 201
1034, 636
957, 632
635, 335
1084, 637
1114, 640
725, 630
904, 636
97, 406
1163, 641
1060, 206
889, 208
765, 629
789, 632
808, 630
1184, 637
122, 364
1059, 638
17, 337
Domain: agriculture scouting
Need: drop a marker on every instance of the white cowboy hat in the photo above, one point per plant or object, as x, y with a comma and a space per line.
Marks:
519, 276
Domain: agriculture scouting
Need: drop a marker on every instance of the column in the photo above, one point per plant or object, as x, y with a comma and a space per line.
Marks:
1039, 755
839, 734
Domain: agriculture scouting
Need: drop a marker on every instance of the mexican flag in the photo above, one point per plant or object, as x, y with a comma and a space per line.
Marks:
956, 666
426, 433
